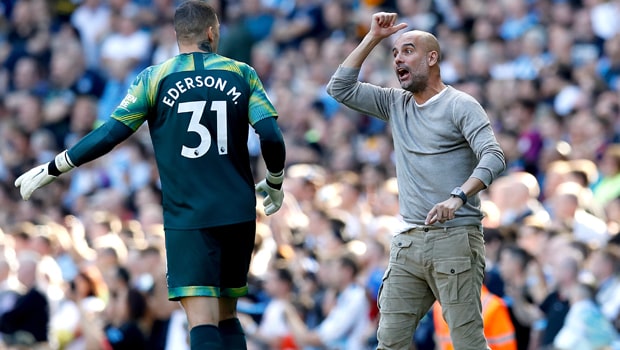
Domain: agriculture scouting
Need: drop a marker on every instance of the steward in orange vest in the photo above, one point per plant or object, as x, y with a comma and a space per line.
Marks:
498, 327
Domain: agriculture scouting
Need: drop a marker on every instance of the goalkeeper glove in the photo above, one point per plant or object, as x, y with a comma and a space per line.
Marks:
43, 174
272, 187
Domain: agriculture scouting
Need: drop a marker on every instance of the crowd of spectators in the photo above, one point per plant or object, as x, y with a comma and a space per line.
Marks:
82, 263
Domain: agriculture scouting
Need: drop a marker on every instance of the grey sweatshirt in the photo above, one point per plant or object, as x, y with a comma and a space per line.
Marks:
438, 145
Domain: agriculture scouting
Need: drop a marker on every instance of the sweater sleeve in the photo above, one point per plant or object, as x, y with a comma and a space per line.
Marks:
365, 98
476, 128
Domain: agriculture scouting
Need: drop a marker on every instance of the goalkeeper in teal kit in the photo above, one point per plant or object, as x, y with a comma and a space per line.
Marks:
198, 106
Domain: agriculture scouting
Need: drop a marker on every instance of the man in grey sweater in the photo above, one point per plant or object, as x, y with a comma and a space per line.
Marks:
446, 152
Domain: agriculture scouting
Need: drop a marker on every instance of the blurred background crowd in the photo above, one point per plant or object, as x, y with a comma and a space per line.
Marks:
82, 264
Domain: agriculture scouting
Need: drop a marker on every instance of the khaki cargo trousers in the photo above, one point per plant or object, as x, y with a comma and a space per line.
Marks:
433, 263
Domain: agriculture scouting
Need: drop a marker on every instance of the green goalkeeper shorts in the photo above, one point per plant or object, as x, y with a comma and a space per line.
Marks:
209, 262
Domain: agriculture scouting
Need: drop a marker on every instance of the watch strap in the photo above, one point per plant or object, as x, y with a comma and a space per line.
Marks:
458, 192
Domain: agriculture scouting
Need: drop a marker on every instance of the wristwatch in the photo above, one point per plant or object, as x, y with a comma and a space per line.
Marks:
458, 192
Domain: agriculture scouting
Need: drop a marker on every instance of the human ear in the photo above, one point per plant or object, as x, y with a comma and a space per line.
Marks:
432, 58
210, 35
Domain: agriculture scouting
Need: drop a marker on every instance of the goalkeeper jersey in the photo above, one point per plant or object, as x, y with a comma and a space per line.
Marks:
198, 107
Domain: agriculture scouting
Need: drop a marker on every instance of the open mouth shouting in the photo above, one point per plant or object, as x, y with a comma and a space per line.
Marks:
402, 73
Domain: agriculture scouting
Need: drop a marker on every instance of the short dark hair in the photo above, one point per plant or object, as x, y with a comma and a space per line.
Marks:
285, 275
350, 262
521, 255
123, 274
136, 303
191, 19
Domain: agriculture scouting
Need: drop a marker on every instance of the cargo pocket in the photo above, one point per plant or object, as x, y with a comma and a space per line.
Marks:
398, 249
453, 279
385, 276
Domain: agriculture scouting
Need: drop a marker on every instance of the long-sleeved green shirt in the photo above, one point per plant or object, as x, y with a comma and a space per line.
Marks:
199, 108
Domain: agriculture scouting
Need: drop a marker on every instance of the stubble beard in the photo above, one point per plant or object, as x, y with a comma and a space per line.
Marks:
418, 83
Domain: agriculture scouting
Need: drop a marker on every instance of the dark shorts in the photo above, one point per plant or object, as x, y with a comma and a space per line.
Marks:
209, 262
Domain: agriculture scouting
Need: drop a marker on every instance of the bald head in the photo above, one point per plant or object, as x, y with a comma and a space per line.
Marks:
416, 63
424, 41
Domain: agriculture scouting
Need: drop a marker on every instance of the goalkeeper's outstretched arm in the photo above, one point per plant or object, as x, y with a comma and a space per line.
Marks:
97, 143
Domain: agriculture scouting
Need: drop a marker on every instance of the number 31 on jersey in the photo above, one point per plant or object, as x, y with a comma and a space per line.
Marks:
196, 108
